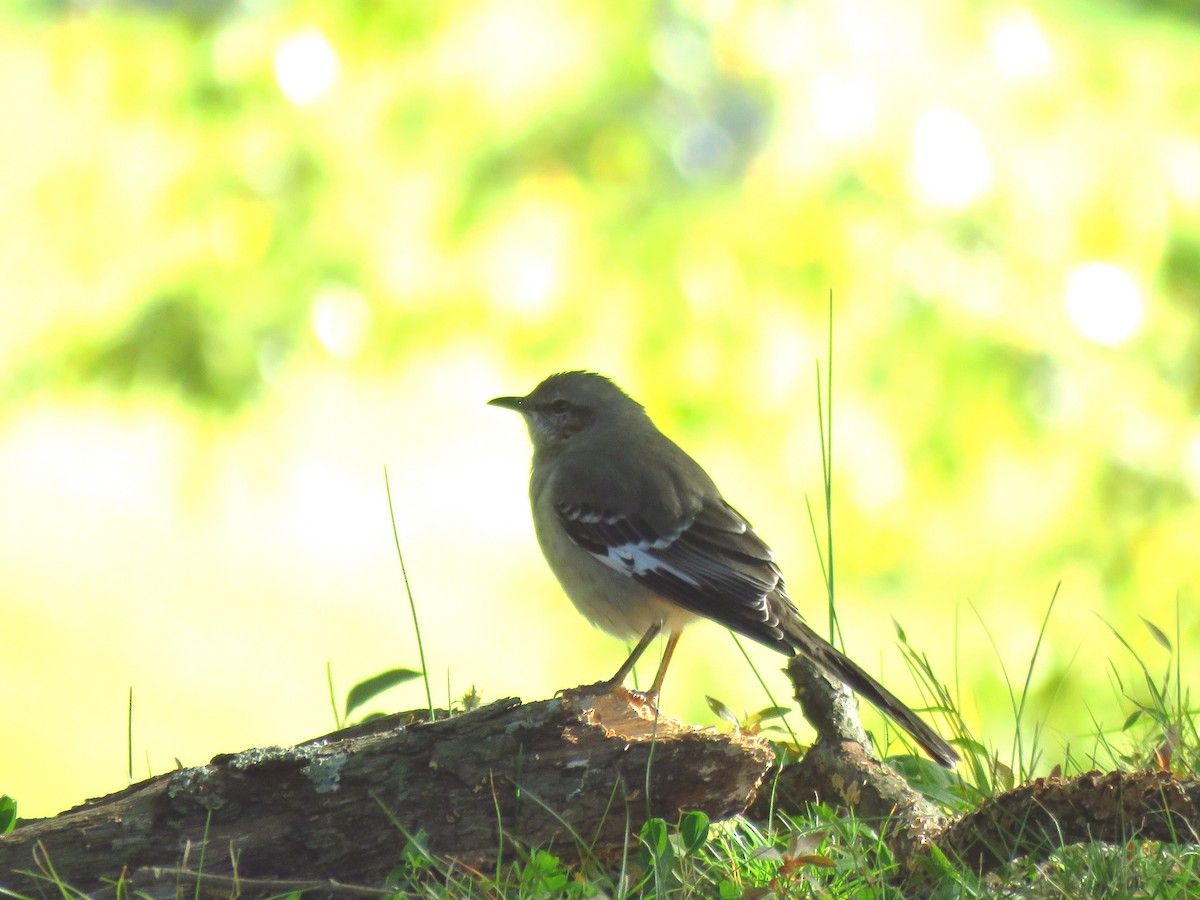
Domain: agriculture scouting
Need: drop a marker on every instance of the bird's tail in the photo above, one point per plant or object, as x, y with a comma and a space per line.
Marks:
806, 641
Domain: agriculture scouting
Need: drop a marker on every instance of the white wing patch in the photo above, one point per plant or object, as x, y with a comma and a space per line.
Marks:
630, 557
588, 516
639, 559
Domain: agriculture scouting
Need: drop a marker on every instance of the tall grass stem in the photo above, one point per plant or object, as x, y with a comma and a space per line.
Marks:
412, 603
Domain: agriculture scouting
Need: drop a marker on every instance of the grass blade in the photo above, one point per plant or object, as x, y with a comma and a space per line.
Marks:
412, 603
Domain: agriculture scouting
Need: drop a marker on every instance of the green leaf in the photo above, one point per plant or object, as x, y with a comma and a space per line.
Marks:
1156, 632
765, 715
8, 814
694, 830
774, 712
938, 856
972, 747
367, 690
722, 710
656, 844
1004, 774
544, 871
1133, 717
900, 632
414, 856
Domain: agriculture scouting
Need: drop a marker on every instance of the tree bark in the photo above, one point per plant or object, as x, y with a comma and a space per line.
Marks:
577, 774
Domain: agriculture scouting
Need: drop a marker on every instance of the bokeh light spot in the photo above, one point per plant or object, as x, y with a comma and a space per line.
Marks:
306, 67
525, 257
844, 107
950, 164
1018, 44
341, 320
1104, 303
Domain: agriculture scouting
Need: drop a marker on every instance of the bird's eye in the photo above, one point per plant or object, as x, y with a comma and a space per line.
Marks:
559, 406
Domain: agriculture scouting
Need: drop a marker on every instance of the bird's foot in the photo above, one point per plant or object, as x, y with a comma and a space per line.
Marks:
640, 699
643, 700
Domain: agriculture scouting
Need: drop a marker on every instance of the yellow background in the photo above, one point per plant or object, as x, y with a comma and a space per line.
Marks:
251, 254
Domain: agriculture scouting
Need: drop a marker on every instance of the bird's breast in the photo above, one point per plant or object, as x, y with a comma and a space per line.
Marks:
606, 596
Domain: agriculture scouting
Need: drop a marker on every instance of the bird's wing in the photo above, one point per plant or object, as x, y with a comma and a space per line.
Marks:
710, 562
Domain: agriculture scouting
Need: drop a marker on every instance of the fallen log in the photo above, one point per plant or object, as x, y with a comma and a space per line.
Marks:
577, 774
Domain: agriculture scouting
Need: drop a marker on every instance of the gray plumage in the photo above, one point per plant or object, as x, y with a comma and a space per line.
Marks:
642, 541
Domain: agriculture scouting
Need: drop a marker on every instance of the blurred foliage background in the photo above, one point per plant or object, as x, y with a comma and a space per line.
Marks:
251, 252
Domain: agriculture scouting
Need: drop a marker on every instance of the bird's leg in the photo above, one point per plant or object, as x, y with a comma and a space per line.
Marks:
668, 651
622, 673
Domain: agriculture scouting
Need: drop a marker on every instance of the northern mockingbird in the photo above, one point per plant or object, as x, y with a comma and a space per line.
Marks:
641, 540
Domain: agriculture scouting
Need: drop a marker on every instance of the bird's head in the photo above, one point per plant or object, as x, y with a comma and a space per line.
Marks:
567, 405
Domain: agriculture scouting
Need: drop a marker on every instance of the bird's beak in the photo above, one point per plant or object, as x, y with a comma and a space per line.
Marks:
513, 403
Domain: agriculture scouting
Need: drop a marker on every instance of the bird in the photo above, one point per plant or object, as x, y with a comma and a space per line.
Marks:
643, 543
